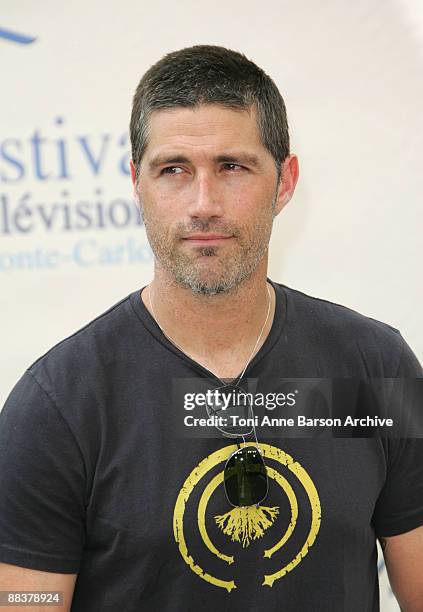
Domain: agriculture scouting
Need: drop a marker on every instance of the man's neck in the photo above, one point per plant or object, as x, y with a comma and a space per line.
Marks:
218, 331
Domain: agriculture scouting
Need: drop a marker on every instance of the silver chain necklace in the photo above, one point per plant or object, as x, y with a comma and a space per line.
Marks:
177, 346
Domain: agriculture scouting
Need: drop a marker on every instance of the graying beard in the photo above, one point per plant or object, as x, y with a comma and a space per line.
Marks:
207, 289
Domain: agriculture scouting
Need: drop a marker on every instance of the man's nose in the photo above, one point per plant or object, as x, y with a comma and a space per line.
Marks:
206, 198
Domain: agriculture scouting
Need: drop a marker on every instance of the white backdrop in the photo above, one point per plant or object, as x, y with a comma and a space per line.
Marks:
70, 239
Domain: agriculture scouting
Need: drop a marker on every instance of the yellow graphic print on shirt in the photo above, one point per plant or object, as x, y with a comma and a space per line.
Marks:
245, 525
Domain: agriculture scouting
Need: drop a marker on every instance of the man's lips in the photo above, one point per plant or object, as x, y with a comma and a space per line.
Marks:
206, 239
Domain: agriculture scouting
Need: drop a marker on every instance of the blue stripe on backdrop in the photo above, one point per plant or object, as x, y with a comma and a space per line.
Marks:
22, 39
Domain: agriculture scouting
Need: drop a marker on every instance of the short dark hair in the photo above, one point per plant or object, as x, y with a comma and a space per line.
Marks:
208, 74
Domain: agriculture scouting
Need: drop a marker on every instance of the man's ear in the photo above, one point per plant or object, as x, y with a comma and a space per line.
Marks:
287, 183
134, 180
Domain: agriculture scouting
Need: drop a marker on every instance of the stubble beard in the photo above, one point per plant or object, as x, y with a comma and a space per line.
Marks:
188, 268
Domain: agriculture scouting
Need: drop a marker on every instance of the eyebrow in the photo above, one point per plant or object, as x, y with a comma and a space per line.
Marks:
233, 158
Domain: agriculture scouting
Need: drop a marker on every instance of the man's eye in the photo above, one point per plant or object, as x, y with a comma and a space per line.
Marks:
232, 167
171, 170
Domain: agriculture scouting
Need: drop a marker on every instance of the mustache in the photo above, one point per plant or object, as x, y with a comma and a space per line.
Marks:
206, 226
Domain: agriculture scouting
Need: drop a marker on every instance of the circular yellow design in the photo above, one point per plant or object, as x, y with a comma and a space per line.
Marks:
271, 452
210, 489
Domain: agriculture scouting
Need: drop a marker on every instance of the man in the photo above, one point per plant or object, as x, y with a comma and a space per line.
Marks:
108, 495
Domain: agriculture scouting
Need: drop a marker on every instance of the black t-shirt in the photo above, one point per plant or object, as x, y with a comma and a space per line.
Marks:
98, 478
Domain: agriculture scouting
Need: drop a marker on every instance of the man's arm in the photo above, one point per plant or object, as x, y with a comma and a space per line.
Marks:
404, 563
14, 578
43, 494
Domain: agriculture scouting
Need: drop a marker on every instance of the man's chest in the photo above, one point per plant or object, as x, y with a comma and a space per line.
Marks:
158, 496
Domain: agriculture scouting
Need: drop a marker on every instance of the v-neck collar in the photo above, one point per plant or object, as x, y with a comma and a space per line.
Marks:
275, 331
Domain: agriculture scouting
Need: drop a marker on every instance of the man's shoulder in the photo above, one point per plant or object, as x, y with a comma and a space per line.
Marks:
89, 345
345, 338
338, 318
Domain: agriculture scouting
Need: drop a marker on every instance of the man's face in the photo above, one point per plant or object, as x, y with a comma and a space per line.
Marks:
208, 193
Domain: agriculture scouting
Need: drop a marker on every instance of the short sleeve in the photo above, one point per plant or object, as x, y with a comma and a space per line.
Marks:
409, 366
399, 507
42, 483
